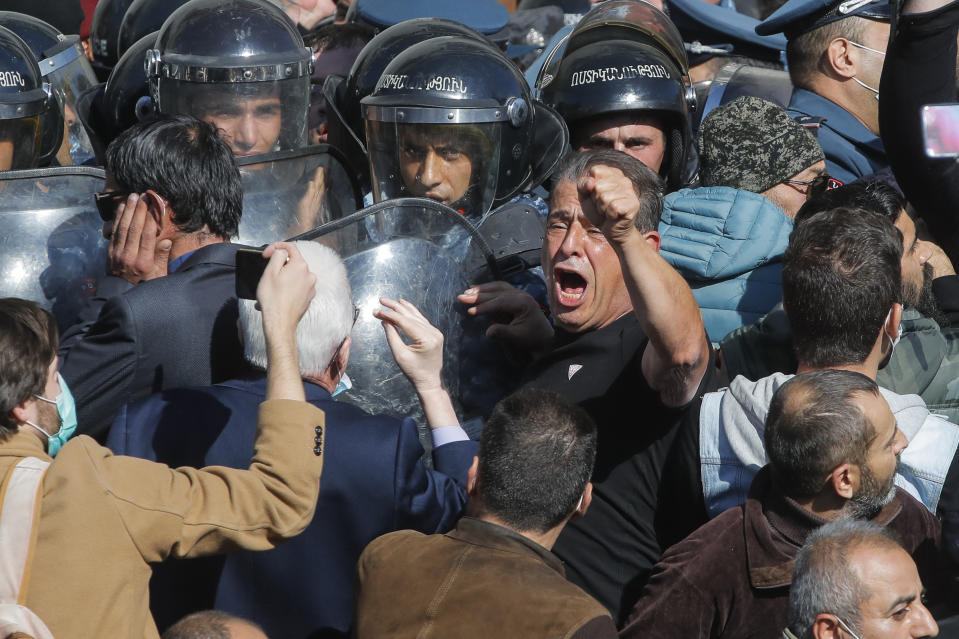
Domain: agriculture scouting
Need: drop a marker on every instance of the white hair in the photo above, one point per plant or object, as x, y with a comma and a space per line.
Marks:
324, 325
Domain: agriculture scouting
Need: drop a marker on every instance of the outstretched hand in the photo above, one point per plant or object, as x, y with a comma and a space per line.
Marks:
519, 321
421, 360
285, 289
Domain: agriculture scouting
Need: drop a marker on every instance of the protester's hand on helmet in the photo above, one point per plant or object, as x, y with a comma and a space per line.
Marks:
615, 203
518, 319
421, 360
308, 13
134, 252
285, 289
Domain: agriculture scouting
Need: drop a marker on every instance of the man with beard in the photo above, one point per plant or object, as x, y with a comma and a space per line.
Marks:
833, 451
842, 293
926, 362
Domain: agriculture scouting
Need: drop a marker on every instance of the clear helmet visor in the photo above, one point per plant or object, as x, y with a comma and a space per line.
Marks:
70, 80
253, 117
19, 143
454, 164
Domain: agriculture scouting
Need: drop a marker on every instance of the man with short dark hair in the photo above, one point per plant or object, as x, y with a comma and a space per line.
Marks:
494, 574
835, 52
165, 316
629, 341
842, 293
833, 450
853, 578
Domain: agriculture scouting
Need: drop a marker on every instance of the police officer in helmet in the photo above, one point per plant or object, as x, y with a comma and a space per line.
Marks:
452, 119
239, 64
31, 122
621, 81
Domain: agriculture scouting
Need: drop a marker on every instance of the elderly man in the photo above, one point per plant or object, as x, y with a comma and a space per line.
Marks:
833, 450
629, 340
102, 520
378, 481
835, 52
758, 168
494, 574
854, 578
165, 316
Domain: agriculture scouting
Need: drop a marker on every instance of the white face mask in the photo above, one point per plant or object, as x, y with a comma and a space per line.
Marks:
847, 628
893, 340
857, 80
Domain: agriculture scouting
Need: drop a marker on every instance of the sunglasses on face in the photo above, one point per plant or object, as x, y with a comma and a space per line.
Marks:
107, 204
814, 187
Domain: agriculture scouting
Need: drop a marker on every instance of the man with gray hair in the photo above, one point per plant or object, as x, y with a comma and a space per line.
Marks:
854, 577
375, 480
757, 167
628, 346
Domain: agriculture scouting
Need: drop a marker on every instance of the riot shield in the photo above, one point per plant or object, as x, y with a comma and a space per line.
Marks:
287, 193
735, 80
51, 237
419, 250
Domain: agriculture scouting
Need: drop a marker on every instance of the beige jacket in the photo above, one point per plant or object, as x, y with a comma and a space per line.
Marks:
104, 518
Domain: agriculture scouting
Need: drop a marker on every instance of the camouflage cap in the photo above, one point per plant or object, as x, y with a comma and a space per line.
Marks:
752, 144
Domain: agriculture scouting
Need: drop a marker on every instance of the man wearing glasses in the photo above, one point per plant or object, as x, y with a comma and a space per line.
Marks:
165, 315
759, 167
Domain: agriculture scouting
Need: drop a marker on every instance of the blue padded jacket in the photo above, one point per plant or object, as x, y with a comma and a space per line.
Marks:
728, 244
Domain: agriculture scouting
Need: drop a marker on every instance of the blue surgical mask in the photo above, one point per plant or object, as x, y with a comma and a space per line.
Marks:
343, 385
67, 409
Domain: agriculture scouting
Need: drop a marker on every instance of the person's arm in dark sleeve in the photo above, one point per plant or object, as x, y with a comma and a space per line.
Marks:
99, 367
920, 68
598, 628
108, 287
431, 500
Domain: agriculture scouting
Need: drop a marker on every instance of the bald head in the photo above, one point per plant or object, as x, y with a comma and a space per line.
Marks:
214, 624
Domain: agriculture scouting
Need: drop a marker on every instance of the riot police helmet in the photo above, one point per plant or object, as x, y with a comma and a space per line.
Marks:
104, 31
142, 18
31, 120
379, 52
238, 64
452, 119
126, 96
64, 65
625, 61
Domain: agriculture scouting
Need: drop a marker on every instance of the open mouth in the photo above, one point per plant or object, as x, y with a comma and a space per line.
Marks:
570, 287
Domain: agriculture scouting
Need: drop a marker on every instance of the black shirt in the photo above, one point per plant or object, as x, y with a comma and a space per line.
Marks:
611, 551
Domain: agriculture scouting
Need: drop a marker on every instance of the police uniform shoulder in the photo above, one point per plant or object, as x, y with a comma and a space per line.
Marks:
801, 16
485, 16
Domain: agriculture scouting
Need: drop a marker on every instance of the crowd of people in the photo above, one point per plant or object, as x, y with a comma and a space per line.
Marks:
473, 318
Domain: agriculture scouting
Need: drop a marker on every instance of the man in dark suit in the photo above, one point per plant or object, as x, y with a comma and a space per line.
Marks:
374, 479
166, 315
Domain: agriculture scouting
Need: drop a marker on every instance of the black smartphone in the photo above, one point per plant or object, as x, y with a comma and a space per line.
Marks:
250, 265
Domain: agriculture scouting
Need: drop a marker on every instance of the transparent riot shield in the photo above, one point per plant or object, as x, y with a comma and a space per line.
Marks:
419, 250
287, 193
51, 238
736, 80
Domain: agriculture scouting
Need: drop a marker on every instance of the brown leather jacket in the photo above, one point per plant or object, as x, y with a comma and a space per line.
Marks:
478, 581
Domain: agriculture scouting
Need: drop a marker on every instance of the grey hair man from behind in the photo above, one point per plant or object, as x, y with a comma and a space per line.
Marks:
213, 624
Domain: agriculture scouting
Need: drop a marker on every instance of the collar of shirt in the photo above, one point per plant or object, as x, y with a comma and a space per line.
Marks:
178, 262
